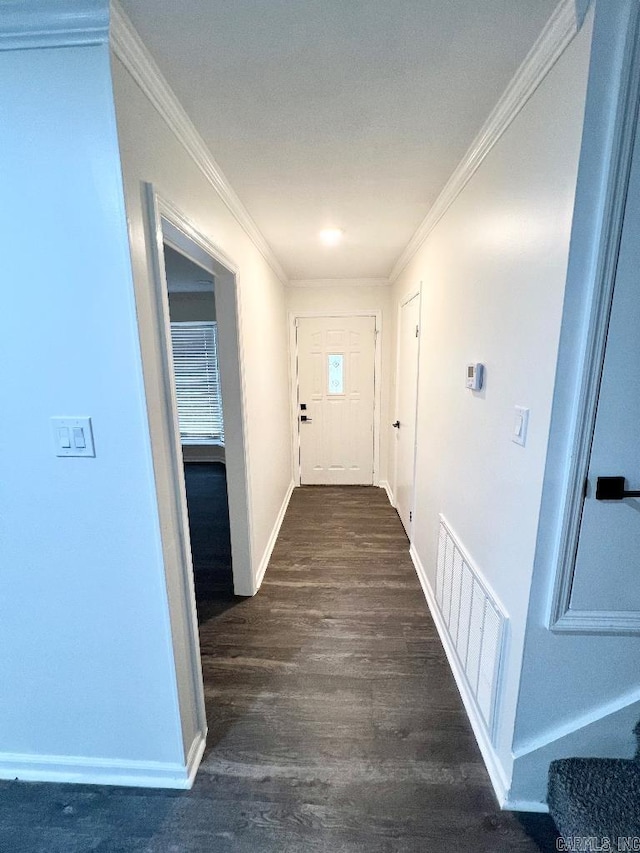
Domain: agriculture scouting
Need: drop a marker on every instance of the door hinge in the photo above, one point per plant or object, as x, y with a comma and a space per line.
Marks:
410, 516
417, 330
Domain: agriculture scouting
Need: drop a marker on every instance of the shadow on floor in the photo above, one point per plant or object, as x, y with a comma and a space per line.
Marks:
214, 606
208, 506
540, 828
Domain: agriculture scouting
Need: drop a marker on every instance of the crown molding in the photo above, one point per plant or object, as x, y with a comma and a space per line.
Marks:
339, 282
130, 49
53, 23
557, 34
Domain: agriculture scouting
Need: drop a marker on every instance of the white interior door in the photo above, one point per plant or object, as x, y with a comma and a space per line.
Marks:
606, 569
407, 396
336, 383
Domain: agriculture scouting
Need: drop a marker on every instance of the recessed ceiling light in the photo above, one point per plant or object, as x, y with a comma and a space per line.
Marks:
331, 236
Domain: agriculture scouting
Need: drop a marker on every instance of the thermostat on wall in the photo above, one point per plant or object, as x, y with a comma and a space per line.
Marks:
474, 376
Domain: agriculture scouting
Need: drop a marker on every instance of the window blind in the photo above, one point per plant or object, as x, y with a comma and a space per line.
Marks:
195, 363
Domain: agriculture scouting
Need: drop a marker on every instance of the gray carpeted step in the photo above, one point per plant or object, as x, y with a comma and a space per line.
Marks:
596, 798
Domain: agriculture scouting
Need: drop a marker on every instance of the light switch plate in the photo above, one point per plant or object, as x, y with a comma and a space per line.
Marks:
72, 436
520, 426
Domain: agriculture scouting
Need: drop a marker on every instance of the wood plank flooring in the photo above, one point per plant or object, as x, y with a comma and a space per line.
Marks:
335, 724
208, 506
333, 715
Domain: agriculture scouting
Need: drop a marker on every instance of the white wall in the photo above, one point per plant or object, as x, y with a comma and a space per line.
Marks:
87, 668
192, 307
357, 295
183, 275
191, 289
151, 153
580, 693
493, 272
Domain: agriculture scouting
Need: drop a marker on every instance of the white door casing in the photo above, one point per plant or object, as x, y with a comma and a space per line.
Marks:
406, 408
336, 383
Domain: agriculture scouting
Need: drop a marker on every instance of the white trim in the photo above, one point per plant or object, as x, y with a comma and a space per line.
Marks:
564, 729
619, 623
377, 392
609, 163
264, 562
188, 228
496, 772
240, 508
559, 31
185, 607
194, 757
518, 805
130, 49
293, 397
339, 282
63, 23
384, 484
103, 771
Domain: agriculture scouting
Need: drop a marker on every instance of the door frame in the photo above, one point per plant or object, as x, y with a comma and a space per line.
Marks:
408, 297
603, 177
171, 226
293, 316
157, 361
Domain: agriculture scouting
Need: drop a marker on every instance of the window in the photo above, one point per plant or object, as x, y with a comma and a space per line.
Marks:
195, 362
335, 370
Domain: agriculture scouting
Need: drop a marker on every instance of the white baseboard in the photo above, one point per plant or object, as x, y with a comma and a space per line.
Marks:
384, 484
593, 715
103, 771
495, 769
264, 562
195, 757
524, 806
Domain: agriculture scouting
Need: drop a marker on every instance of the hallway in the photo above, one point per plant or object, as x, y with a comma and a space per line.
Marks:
333, 715
334, 721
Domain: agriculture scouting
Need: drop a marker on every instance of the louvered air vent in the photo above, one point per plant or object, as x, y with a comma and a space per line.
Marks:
475, 622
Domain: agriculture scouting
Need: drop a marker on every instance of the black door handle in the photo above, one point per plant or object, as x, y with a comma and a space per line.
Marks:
396, 425
612, 489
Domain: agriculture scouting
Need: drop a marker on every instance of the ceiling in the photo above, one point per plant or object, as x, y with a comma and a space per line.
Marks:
343, 113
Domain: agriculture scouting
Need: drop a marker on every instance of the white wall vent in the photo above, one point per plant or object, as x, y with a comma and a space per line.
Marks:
474, 620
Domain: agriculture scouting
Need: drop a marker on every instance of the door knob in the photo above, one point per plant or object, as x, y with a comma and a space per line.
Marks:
396, 425
305, 419
612, 489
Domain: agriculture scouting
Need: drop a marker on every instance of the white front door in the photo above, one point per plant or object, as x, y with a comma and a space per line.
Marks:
336, 382
407, 395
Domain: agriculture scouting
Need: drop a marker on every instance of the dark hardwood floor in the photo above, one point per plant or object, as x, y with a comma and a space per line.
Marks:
208, 506
334, 722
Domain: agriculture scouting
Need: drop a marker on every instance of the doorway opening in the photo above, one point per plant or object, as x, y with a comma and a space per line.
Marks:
187, 262
194, 341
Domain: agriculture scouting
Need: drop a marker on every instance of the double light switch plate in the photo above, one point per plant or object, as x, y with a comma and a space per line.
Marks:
72, 436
